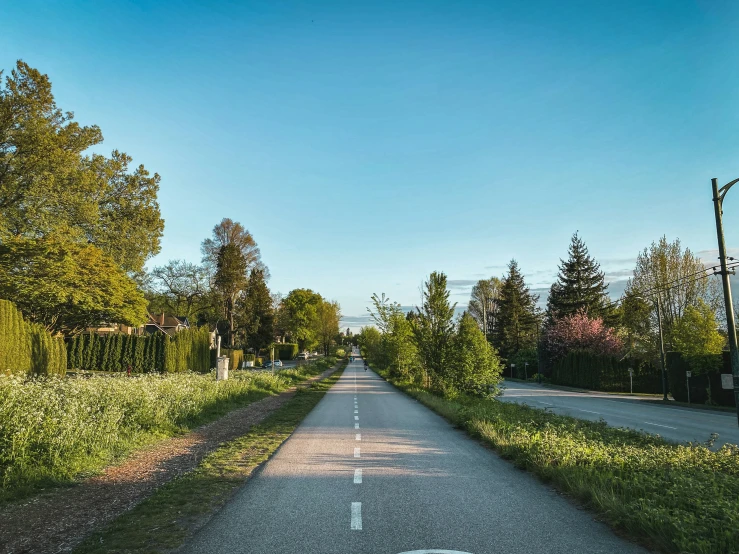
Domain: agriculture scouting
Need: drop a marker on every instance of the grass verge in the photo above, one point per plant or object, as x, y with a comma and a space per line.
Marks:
676, 498
54, 431
166, 519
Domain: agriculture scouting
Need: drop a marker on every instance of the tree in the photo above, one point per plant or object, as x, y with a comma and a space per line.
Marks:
48, 187
258, 317
517, 314
580, 285
434, 329
677, 277
328, 314
483, 306
230, 280
229, 232
67, 286
298, 316
370, 342
695, 333
474, 365
580, 331
183, 289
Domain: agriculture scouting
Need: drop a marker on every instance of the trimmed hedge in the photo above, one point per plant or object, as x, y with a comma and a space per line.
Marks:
605, 373
189, 350
235, 357
705, 381
28, 347
285, 351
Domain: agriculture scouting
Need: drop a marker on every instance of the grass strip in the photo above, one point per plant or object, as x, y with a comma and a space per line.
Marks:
166, 519
675, 498
54, 431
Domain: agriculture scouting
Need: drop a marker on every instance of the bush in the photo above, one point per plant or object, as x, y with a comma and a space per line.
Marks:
285, 351
705, 380
606, 373
235, 357
28, 347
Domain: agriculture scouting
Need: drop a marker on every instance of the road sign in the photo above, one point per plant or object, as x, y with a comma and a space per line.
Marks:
688, 373
727, 381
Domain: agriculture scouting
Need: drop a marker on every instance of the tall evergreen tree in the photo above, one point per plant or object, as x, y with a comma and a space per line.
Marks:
257, 312
230, 280
580, 286
517, 318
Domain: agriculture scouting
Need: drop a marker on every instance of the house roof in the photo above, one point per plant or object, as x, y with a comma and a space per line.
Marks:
167, 321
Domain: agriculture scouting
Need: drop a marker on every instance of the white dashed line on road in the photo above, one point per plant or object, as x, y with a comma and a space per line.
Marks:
356, 418
356, 452
358, 437
658, 425
356, 425
356, 516
590, 412
356, 411
357, 476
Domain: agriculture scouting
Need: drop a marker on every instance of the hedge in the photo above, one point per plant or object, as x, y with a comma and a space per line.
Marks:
286, 351
605, 373
235, 357
189, 350
705, 381
28, 347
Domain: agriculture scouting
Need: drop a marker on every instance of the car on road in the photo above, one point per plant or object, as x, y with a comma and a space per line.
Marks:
278, 363
303, 356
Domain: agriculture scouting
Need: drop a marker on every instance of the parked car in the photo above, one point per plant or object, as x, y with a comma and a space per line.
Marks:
303, 356
278, 363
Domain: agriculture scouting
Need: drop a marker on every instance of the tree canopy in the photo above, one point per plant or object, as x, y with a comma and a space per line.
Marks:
517, 314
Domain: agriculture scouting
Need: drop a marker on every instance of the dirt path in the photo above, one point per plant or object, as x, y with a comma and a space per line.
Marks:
57, 521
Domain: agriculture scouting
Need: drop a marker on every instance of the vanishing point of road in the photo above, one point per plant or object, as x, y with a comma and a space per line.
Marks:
372, 471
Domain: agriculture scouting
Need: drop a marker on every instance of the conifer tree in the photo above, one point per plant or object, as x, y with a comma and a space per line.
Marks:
580, 286
517, 318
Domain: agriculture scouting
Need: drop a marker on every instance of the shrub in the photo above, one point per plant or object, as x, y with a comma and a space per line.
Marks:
595, 372
28, 347
235, 357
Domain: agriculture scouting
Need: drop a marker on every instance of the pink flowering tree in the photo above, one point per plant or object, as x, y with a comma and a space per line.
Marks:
581, 332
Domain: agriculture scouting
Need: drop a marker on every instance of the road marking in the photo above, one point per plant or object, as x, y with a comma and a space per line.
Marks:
434, 551
356, 425
356, 452
356, 411
356, 516
357, 476
356, 418
581, 410
359, 436
658, 425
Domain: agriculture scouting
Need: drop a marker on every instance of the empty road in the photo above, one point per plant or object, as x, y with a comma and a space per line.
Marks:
372, 471
674, 423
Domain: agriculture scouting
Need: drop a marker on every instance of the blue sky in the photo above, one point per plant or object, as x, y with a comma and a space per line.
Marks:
366, 144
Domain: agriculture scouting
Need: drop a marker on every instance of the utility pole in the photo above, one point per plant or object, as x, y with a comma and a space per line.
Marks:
718, 206
661, 347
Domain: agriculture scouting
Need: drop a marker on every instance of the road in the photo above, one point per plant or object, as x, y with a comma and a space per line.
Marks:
372, 471
674, 423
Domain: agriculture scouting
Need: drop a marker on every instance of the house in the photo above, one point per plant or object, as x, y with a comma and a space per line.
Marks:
165, 323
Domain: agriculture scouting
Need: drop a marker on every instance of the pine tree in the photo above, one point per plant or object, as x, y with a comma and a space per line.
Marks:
580, 286
518, 318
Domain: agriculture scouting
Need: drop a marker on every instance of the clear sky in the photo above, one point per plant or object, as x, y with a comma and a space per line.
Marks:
367, 143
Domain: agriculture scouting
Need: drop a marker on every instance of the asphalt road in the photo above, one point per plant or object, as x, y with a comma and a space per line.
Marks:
674, 423
372, 471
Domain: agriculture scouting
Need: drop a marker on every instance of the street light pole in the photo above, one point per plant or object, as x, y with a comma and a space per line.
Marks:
718, 203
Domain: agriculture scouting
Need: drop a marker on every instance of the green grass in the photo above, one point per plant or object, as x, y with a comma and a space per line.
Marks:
54, 431
676, 498
166, 519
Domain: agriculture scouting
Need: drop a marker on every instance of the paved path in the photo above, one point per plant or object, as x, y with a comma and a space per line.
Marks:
372, 471
672, 422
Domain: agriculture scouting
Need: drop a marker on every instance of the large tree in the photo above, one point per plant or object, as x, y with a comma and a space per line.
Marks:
230, 280
518, 317
675, 277
483, 306
48, 186
474, 366
229, 232
181, 288
298, 316
328, 314
67, 286
580, 285
257, 312
434, 329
